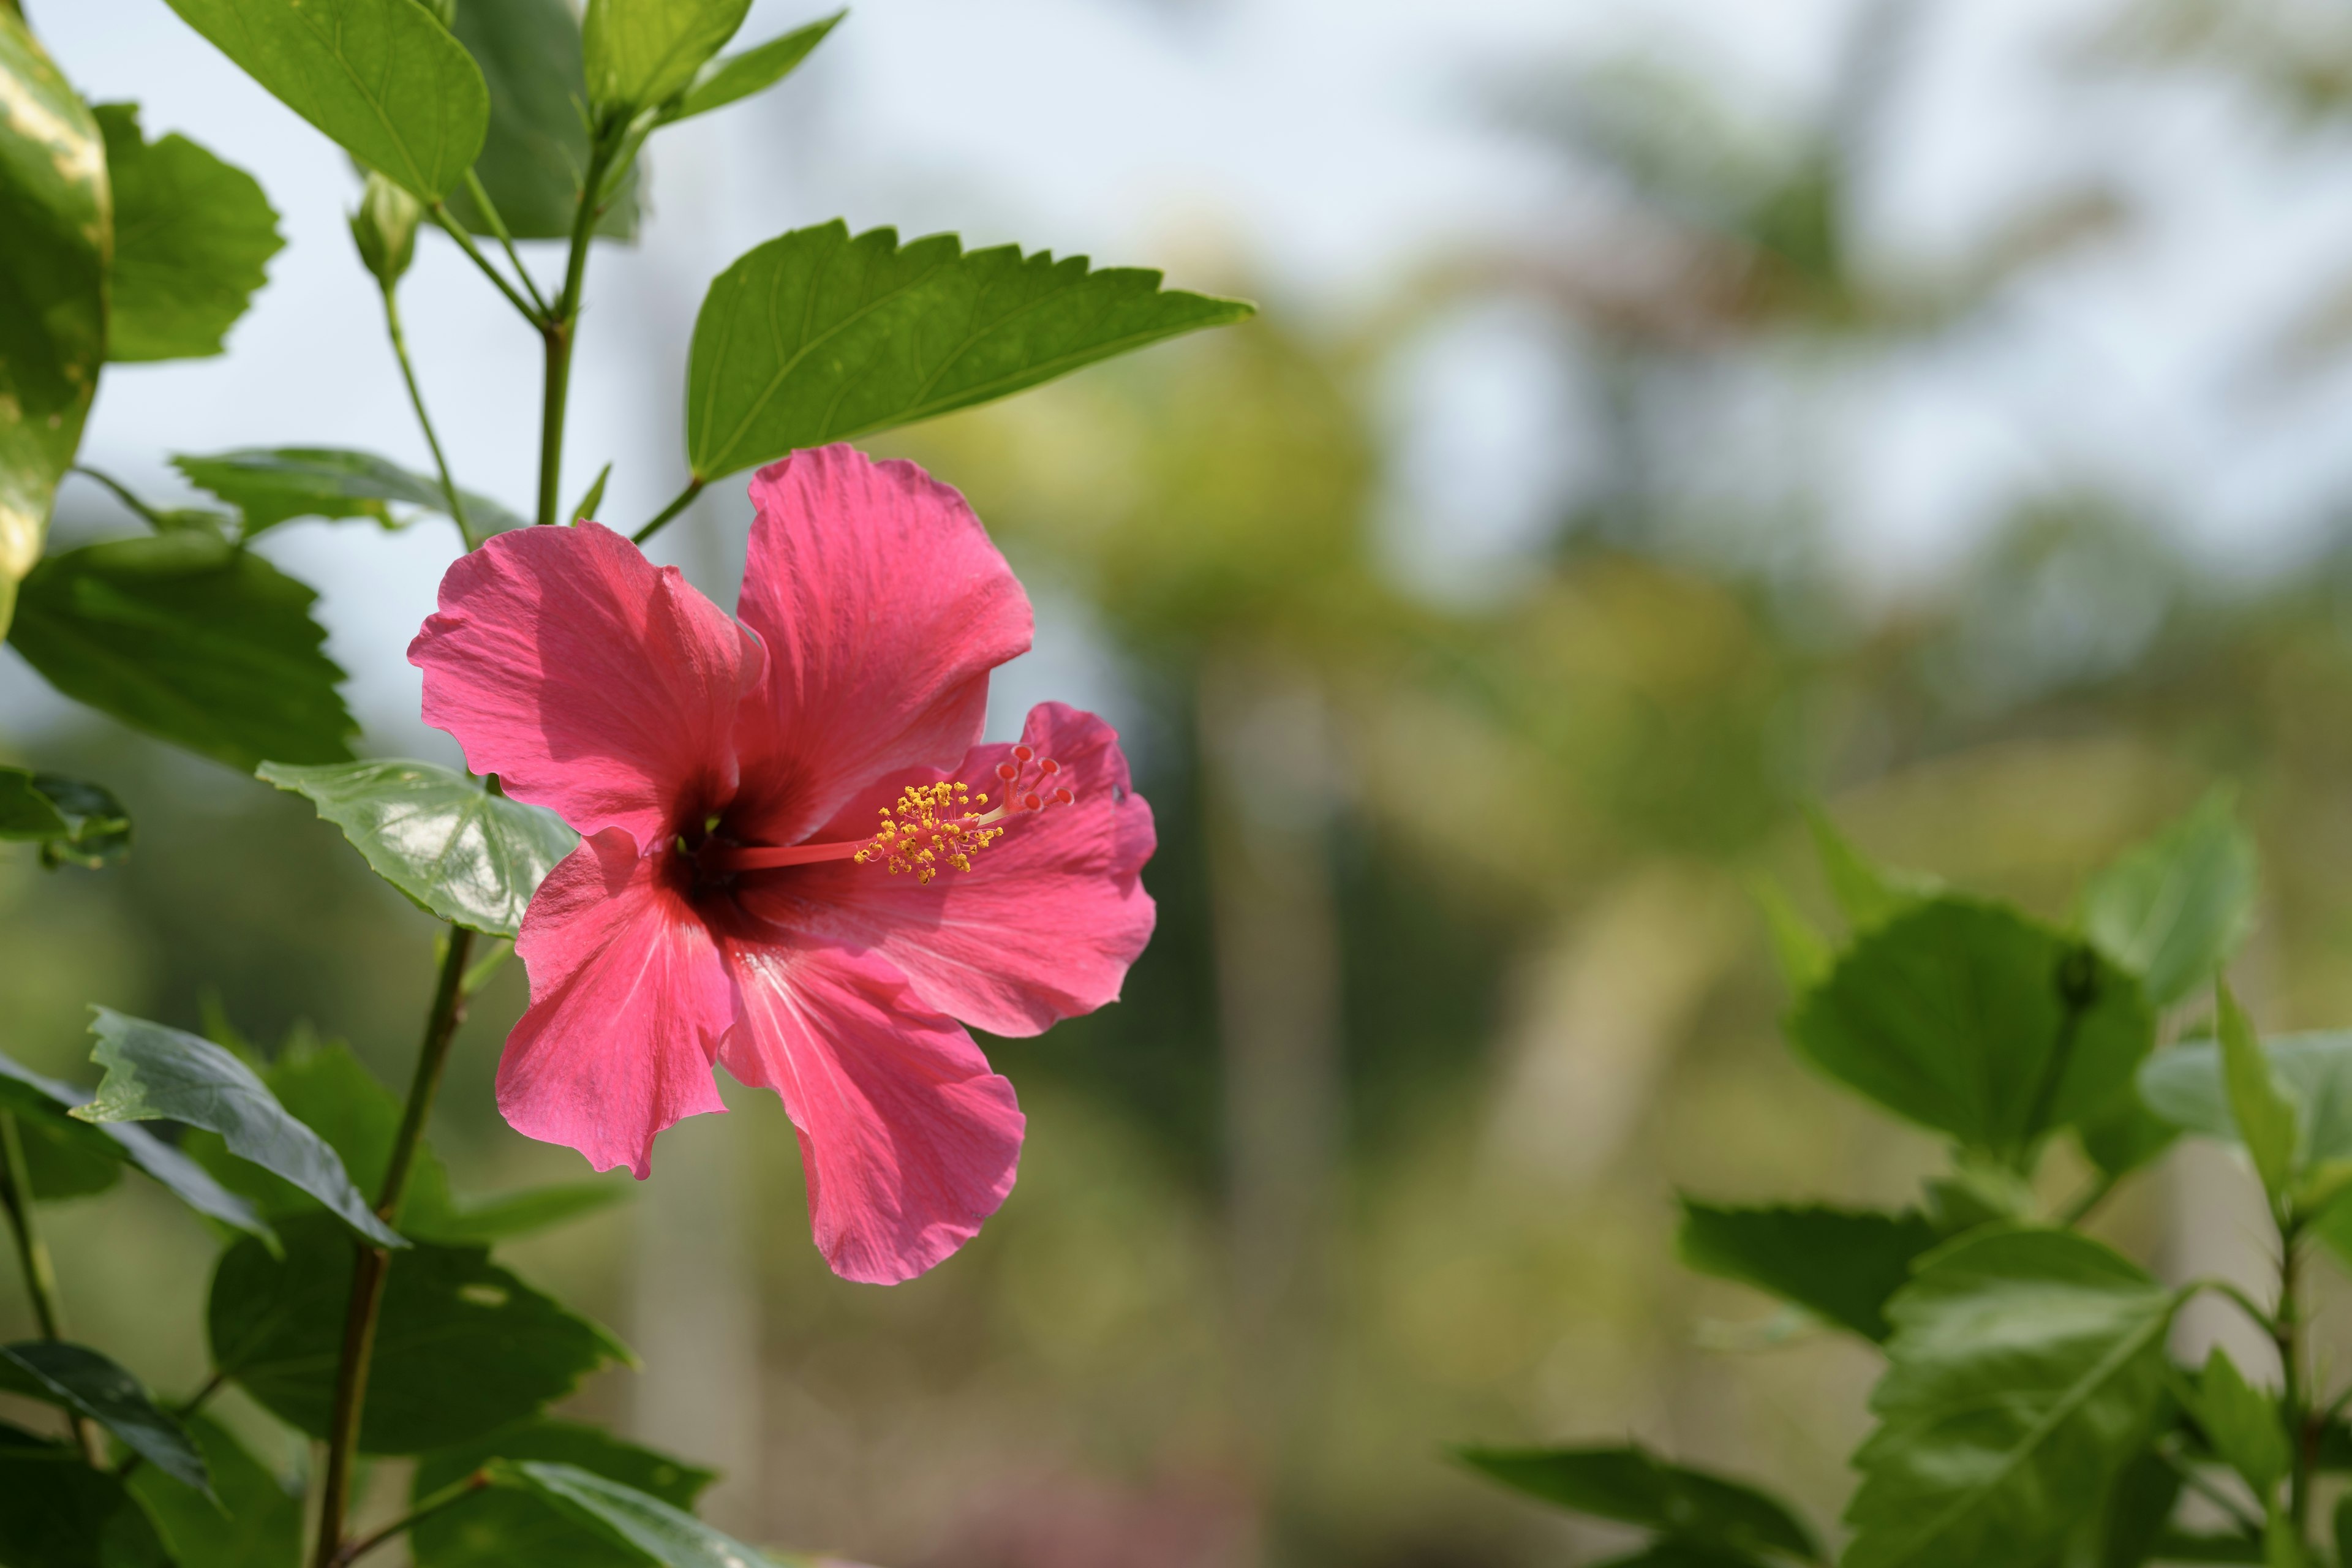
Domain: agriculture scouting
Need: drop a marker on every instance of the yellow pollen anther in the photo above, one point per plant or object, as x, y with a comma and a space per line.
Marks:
932, 823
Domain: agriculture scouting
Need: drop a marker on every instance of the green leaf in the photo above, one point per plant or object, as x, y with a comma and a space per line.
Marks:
1867, 893
2024, 1373
1632, 1485
154, 1073
815, 337
2136, 1507
192, 238
1802, 952
57, 1512
459, 851
54, 208
381, 78
2241, 1423
80, 1378
536, 150
192, 640
2344, 1530
642, 53
1839, 1264
2125, 1134
2261, 1110
2184, 1086
1682, 1554
533, 1209
384, 230
2189, 1546
510, 1526
462, 1346
24, 811
271, 486
738, 76
626, 1517
2173, 910
595, 495
98, 828
1968, 1018
256, 1523
42, 1105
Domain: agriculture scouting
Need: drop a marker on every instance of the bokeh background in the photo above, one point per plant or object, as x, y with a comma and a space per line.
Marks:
1663, 416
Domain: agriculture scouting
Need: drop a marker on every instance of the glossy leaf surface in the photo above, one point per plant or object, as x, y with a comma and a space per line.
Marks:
255, 1524
2024, 1372
192, 238
57, 1512
2173, 910
516, 1525
1839, 1264
627, 1517
271, 486
42, 1105
154, 1073
383, 78
462, 1346
457, 851
192, 640
54, 210
815, 337
83, 1380
1633, 1486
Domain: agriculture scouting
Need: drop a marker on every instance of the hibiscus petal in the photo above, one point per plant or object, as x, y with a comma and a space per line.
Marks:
628, 1000
1044, 924
588, 680
908, 1140
883, 605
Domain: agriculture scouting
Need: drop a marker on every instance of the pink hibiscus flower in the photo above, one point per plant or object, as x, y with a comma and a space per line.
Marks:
796, 858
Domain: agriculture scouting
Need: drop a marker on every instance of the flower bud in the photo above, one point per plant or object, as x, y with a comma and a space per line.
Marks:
384, 228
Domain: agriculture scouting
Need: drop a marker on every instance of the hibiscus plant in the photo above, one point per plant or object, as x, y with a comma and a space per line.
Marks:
772, 842
2029, 1410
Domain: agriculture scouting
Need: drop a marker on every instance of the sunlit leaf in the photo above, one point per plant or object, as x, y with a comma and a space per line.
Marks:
1839, 1264
1630, 1484
640, 53
627, 1517
2174, 909
383, 78
57, 1512
738, 76
271, 486
514, 1525
83, 1380
193, 237
57, 1143
816, 337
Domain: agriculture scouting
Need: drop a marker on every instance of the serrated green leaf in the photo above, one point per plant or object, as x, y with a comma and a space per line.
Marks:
2174, 909
815, 337
2241, 1423
464, 854
256, 1523
536, 153
81, 1379
192, 640
738, 76
1867, 893
57, 1512
462, 1347
2258, 1109
271, 486
1839, 1264
522, 1213
56, 1143
1633, 1486
1968, 1018
2024, 1373
627, 1517
54, 208
642, 53
155, 1073
512, 1525
193, 240
381, 78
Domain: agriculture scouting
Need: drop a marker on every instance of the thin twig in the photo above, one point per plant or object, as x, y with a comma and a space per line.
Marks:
489, 211
455, 1493
678, 503
457, 231
416, 401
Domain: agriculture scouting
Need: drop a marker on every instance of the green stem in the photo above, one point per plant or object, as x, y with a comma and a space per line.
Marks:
2247, 1522
147, 515
560, 328
33, 1258
416, 401
2286, 1332
678, 503
457, 231
489, 212
370, 1265
457, 1492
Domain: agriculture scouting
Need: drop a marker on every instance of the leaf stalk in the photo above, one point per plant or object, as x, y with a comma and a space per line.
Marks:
33, 1258
425, 420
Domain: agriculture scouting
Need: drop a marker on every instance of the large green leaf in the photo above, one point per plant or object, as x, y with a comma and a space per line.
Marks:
255, 1524
642, 53
270, 486
462, 1346
1631, 1485
155, 1073
536, 150
57, 1512
192, 238
738, 76
459, 851
191, 639
56, 214
628, 1518
383, 78
58, 1145
816, 337
1839, 1264
81, 1379
2024, 1372
1968, 1018
2172, 909
512, 1525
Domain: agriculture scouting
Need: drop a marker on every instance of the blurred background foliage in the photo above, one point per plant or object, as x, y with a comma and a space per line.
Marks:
1458, 977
